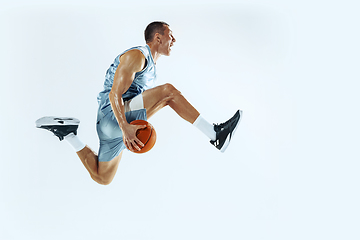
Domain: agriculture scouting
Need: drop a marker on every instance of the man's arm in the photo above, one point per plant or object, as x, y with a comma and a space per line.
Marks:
130, 63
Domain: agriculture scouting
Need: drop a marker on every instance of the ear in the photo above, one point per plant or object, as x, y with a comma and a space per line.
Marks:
158, 37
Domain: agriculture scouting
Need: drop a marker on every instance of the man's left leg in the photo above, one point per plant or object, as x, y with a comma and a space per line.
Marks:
167, 95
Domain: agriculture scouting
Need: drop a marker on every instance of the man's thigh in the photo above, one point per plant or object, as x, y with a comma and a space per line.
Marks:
108, 169
154, 99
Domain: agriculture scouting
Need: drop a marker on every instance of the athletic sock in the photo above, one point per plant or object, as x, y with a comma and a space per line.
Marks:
75, 142
205, 127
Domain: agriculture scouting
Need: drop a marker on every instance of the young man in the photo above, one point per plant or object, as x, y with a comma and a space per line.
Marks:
130, 93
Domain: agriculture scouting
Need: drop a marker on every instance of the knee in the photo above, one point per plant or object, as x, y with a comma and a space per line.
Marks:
105, 182
101, 180
170, 91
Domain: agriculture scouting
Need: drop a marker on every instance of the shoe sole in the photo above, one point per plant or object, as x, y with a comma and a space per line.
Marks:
56, 121
228, 138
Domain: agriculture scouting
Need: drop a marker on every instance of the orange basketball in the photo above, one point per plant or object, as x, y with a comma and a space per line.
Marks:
146, 135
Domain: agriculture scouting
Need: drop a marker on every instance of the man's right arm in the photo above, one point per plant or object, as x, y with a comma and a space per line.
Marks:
130, 63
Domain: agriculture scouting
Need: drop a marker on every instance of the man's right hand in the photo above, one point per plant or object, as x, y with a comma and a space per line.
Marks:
129, 136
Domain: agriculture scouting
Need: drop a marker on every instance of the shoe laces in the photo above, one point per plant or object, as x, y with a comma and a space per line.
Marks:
219, 126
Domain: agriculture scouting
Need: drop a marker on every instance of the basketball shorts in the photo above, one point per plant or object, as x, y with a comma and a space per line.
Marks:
109, 132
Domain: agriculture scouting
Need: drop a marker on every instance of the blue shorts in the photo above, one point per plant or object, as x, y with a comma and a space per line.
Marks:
110, 134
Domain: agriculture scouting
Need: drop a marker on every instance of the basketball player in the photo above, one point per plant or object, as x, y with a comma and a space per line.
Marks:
129, 94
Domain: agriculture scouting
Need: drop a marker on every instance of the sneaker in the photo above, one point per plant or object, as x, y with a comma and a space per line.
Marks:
61, 127
224, 131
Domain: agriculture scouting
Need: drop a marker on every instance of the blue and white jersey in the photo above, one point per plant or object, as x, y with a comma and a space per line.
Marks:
143, 80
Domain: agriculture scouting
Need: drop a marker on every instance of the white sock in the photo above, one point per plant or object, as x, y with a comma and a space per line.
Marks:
75, 142
205, 127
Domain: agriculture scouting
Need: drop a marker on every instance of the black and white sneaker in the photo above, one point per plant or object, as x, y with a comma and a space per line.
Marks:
224, 131
60, 126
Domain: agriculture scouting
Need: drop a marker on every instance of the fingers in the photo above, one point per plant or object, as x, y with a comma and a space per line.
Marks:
129, 145
142, 126
140, 143
134, 144
131, 141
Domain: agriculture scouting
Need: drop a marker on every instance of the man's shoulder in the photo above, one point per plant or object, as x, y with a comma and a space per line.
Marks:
133, 59
143, 49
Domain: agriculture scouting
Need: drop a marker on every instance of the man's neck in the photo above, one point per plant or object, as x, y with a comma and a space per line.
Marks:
155, 54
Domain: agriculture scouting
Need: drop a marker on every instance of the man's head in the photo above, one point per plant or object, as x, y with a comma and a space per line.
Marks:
159, 35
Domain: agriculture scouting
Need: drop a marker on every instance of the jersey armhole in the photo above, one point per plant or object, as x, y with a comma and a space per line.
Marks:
143, 53
146, 61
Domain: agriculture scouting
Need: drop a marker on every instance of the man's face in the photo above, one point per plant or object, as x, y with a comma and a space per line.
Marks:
166, 42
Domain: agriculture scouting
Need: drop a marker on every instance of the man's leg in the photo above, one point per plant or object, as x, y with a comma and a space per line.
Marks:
167, 95
101, 172
66, 129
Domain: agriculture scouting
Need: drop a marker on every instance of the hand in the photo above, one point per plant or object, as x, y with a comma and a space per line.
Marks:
129, 136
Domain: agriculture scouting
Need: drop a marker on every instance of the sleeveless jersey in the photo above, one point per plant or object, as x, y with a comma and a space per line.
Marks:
143, 80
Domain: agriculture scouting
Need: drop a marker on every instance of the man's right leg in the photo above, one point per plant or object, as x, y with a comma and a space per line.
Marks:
101, 172
66, 128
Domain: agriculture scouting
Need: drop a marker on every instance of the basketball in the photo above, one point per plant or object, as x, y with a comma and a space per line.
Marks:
146, 135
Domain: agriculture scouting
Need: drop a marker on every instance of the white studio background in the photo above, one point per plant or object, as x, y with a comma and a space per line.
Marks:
291, 171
